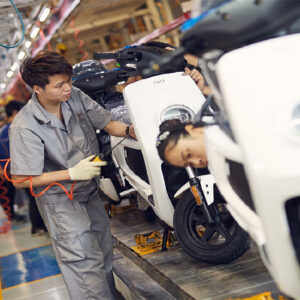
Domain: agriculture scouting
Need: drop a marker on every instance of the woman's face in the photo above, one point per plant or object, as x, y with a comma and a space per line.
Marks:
189, 151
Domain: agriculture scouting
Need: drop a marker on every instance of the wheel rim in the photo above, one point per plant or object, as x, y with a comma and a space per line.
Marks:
211, 236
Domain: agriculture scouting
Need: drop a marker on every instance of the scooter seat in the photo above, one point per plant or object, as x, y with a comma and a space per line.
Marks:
120, 113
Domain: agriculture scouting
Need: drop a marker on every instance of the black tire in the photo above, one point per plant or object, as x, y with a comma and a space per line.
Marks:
214, 244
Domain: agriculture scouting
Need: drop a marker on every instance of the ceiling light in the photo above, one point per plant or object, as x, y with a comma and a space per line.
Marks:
10, 74
44, 14
2, 85
14, 67
34, 31
21, 55
28, 44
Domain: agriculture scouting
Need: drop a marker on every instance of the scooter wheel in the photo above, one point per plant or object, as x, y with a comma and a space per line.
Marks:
217, 243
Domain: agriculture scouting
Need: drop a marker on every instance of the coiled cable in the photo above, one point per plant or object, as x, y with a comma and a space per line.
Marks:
69, 194
23, 28
5, 223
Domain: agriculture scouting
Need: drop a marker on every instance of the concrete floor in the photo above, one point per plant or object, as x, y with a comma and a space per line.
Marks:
28, 267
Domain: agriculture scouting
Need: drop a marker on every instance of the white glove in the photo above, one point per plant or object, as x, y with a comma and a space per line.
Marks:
86, 169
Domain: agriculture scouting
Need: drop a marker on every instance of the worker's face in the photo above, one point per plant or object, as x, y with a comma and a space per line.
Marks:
57, 90
189, 151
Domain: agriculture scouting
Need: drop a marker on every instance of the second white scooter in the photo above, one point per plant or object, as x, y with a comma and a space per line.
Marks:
205, 230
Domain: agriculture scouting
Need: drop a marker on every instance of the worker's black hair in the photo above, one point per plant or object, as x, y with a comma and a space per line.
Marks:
36, 70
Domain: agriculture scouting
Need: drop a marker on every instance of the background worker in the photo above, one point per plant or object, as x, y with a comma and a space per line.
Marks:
53, 139
192, 69
11, 109
37, 224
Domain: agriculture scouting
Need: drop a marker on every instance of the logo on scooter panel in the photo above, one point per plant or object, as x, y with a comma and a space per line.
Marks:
159, 81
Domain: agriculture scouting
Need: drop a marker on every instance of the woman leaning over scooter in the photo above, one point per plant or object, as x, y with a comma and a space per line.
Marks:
181, 144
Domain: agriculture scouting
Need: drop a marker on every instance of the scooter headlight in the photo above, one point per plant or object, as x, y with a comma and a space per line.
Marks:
294, 123
180, 112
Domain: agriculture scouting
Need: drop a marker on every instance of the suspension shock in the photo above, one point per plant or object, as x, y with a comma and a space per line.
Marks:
198, 194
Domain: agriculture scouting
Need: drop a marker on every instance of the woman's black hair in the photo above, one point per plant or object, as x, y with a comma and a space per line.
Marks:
169, 131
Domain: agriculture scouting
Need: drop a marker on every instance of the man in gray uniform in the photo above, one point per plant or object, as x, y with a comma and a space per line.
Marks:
53, 139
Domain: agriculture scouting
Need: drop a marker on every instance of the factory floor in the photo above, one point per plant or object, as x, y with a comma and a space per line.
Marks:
28, 269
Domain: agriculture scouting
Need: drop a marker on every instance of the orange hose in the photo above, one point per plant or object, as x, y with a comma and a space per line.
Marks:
5, 225
3, 196
81, 42
69, 194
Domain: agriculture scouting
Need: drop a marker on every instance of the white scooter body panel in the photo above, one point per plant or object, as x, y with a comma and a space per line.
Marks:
260, 85
220, 147
141, 186
145, 111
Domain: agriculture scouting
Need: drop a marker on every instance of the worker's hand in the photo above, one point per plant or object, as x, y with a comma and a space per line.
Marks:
86, 169
199, 80
131, 132
196, 76
1, 171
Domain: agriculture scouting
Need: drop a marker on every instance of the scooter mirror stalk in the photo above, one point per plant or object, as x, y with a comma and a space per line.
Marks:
164, 63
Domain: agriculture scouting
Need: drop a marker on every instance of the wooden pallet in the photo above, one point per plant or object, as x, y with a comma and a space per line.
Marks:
186, 278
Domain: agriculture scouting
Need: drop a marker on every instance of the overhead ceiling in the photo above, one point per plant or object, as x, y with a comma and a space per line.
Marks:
86, 29
11, 30
94, 20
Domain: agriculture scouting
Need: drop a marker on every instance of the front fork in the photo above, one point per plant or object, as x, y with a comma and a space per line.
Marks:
196, 189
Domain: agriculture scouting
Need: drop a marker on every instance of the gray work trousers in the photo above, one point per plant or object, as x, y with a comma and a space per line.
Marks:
82, 243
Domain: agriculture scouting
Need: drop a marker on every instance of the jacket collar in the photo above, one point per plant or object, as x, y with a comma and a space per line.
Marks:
46, 117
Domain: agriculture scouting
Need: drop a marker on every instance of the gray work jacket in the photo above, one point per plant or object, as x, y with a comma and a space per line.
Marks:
40, 142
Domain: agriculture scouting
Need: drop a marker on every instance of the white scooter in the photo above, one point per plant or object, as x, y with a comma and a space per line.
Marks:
205, 229
252, 62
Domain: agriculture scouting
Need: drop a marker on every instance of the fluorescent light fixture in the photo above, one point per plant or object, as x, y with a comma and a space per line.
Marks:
10, 74
21, 55
2, 85
28, 44
14, 67
44, 14
34, 31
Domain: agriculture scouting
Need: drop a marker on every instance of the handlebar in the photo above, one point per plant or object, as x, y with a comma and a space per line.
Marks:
165, 63
105, 55
231, 26
101, 81
139, 57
